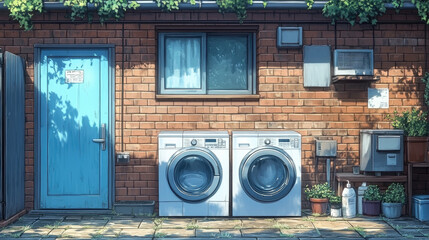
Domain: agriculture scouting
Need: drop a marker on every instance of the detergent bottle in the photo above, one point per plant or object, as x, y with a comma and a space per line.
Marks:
349, 201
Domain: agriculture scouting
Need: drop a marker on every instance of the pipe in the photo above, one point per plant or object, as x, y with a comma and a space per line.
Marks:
211, 5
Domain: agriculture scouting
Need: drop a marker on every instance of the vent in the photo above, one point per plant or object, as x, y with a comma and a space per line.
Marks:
289, 37
354, 62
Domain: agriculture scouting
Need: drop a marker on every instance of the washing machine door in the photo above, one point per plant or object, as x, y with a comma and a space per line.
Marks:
267, 174
194, 174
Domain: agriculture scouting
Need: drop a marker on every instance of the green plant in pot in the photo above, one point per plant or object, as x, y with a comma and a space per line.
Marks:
319, 196
393, 199
335, 203
416, 128
371, 202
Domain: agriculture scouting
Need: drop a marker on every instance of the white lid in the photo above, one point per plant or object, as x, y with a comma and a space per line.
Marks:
348, 184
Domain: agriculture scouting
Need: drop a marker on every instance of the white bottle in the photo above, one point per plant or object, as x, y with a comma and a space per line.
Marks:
361, 191
349, 201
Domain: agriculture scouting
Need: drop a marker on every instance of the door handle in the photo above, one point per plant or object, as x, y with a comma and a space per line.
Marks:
102, 140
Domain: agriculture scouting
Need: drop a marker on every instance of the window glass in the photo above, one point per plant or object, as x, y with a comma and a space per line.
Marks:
227, 63
183, 63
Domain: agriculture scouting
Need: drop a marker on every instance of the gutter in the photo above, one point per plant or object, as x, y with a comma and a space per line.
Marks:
211, 5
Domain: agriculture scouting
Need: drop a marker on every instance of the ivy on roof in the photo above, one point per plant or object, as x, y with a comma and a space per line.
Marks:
352, 11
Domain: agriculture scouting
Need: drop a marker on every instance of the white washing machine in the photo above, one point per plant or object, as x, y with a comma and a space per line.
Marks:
193, 173
266, 174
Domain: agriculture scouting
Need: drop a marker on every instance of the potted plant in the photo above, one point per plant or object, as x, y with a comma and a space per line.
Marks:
335, 202
416, 128
318, 196
393, 199
371, 203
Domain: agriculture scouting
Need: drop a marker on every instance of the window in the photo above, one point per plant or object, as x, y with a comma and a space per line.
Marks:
206, 63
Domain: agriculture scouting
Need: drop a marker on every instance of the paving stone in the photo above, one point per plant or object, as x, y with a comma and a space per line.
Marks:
339, 233
31, 216
206, 233
73, 217
281, 238
177, 223
140, 233
147, 223
123, 223
400, 238
339, 238
381, 233
52, 217
425, 232
218, 223
235, 233
83, 224
175, 233
294, 223
332, 225
259, 233
97, 217
9, 232
46, 224
134, 238
206, 238
370, 224
38, 232
409, 232
301, 233
23, 222
81, 233
258, 223
111, 232
408, 223
56, 232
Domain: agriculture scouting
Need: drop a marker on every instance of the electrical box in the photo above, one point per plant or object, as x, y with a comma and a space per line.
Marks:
326, 148
381, 150
289, 37
122, 157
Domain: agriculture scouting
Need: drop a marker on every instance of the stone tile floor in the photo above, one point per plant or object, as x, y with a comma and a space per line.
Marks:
307, 227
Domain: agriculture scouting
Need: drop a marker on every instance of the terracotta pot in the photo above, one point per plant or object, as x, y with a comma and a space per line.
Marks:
319, 205
371, 208
416, 149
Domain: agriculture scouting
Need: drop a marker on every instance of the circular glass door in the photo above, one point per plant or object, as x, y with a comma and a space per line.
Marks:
194, 174
267, 174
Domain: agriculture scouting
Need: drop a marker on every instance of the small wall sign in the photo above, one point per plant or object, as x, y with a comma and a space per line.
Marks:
378, 98
74, 76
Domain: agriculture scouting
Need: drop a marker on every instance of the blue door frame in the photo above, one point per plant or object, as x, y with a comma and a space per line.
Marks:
69, 56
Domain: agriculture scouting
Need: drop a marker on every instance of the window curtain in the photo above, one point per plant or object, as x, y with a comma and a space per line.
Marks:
183, 63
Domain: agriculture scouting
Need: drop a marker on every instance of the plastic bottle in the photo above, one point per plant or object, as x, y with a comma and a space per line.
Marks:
349, 201
361, 191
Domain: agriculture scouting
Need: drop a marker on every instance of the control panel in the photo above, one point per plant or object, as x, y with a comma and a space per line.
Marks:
205, 142
285, 143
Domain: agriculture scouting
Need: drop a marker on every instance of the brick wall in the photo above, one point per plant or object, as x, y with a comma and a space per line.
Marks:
337, 112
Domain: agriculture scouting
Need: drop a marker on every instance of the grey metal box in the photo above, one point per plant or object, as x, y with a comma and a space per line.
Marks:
289, 37
317, 66
326, 148
382, 150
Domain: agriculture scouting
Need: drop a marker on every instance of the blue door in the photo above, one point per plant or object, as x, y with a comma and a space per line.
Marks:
74, 114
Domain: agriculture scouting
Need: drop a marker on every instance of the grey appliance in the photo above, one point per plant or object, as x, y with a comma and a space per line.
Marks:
381, 150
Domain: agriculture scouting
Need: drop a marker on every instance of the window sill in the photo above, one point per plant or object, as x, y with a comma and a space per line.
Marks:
202, 96
355, 79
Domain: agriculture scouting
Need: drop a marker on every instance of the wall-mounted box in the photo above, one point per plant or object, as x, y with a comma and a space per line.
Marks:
354, 62
326, 148
289, 37
317, 66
